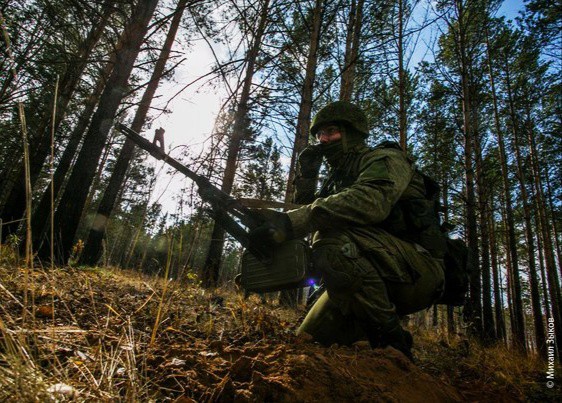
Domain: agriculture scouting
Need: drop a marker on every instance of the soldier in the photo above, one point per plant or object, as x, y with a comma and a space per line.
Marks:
375, 240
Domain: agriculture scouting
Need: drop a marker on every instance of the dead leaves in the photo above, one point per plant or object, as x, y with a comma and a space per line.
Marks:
44, 311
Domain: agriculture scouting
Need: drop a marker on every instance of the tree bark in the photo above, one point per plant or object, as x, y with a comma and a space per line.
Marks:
92, 247
40, 222
520, 331
72, 201
353, 39
473, 309
513, 267
402, 118
214, 255
553, 221
41, 143
489, 331
498, 302
305, 108
548, 247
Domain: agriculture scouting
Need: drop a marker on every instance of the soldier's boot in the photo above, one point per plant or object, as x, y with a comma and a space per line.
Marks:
392, 334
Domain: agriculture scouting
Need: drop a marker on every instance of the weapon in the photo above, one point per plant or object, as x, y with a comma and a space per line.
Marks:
264, 268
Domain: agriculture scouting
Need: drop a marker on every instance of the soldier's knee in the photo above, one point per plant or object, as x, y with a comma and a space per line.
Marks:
339, 261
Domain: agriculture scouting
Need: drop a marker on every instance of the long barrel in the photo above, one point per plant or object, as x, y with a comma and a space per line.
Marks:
221, 202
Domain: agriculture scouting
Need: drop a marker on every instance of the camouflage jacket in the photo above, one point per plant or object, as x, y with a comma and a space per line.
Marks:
360, 193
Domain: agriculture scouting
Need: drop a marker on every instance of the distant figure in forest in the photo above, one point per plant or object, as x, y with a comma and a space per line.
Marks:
376, 240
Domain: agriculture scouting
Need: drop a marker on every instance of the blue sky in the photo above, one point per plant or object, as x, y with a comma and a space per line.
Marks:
511, 8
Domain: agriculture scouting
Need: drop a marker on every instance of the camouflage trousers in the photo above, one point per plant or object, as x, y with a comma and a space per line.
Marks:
369, 284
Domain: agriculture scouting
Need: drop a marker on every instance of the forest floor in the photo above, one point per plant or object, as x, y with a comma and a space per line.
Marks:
109, 335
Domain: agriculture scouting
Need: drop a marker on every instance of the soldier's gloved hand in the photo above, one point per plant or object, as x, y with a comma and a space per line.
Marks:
275, 227
310, 160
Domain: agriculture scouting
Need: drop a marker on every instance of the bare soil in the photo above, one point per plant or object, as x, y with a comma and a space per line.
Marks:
111, 335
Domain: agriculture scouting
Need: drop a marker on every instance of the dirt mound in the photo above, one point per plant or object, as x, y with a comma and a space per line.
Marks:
301, 372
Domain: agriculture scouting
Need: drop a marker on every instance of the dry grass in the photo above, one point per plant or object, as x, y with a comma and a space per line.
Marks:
104, 334
97, 333
484, 371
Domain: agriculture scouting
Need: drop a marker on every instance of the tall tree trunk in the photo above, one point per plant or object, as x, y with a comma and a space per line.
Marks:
489, 331
451, 328
290, 297
553, 220
85, 219
498, 302
513, 267
402, 118
542, 269
353, 37
41, 143
520, 330
509, 275
305, 108
554, 285
72, 201
473, 309
40, 222
213, 260
92, 248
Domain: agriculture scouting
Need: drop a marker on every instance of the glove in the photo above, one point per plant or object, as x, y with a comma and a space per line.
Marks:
275, 227
310, 160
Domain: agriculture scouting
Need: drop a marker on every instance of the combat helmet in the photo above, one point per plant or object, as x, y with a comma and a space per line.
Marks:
341, 111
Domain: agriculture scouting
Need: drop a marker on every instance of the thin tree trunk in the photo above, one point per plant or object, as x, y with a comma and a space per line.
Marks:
305, 108
126, 264
513, 259
72, 201
92, 247
489, 331
542, 269
509, 273
498, 304
553, 220
15, 204
473, 309
40, 222
213, 260
520, 330
352, 41
402, 118
547, 240
289, 297
451, 328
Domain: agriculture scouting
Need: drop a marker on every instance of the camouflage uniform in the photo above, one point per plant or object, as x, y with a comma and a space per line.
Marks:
371, 276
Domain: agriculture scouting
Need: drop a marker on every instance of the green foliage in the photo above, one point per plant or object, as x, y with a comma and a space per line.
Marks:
261, 176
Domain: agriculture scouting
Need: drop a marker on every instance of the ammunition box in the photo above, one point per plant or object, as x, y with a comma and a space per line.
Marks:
286, 269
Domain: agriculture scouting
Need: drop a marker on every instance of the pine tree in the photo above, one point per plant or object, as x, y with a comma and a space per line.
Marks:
240, 126
72, 201
92, 248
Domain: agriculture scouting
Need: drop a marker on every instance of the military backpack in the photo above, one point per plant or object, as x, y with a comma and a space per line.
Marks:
418, 220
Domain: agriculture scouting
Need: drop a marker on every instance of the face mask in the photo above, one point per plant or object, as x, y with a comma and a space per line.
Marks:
335, 151
332, 151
